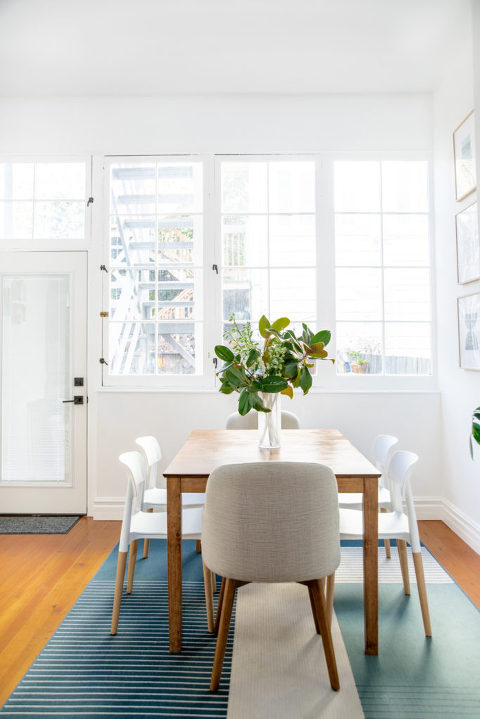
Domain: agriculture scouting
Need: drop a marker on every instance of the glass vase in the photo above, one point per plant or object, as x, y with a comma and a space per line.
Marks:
269, 423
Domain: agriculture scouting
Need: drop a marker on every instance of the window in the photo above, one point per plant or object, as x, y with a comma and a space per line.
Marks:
156, 267
268, 239
42, 204
382, 250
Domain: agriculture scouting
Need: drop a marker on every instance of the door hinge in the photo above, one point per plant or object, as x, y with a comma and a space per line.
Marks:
215, 268
103, 361
90, 201
103, 314
103, 268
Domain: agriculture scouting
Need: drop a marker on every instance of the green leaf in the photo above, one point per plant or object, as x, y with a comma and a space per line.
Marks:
224, 353
273, 384
226, 389
290, 370
323, 336
263, 326
307, 334
305, 380
244, 405
288, 391
476, 432
236, 377
258, 404
252, 356
280, 324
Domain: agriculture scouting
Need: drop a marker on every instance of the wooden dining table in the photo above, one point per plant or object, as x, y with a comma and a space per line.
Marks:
204, 450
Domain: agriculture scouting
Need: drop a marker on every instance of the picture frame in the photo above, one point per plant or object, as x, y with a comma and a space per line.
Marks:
468, 244
468, 312
464, 154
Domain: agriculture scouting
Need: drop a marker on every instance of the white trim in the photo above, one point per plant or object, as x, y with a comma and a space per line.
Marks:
107, 508
460, 523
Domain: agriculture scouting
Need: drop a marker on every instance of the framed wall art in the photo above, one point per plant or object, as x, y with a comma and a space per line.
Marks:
468, 244
469, 331
464, 157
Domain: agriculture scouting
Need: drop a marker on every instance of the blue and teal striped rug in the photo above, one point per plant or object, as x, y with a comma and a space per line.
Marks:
85, 672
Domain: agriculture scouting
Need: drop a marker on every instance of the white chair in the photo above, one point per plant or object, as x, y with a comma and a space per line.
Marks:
289, 420
138, 524
382, 450
155, 495
396, 525
272, 522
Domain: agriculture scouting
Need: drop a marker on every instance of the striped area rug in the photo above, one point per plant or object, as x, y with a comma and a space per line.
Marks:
84, 672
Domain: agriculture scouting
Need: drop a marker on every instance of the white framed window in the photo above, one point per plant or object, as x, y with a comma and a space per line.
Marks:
382, 268
154, 290
268, 236
43, 203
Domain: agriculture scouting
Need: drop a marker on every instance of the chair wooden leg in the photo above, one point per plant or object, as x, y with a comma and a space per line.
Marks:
422, 592
117, 597
207, 581
214, 582
219, 606
227, 606
146, 542
402, 553
198, 546
132, 558
314, 610
386, 542
320, 605
329, 597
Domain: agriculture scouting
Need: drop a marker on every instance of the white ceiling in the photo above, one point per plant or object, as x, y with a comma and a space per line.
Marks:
149, 47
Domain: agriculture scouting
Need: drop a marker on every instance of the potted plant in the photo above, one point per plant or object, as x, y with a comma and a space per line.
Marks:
260, 370
358, 364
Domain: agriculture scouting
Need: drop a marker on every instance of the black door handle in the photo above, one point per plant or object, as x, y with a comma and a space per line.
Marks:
78, 399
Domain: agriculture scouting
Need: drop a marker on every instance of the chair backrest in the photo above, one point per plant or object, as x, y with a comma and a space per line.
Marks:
136, 474
382, 449
289, 420
153, 454
271, 522
399, 471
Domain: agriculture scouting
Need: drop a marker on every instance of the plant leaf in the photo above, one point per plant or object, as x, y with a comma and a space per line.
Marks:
224, 353
273, 384
280, 324
236, 377
263, 326
290, 369
226, 389
323, 336
258, 404
244, 405
305, 380
288, 391
252, 356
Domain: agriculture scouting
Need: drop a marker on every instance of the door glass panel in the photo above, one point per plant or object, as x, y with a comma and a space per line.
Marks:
36, 425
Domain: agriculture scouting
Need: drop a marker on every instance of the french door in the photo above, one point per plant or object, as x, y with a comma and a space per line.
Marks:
43, 422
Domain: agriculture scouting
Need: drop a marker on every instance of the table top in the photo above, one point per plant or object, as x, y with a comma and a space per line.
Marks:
206, 449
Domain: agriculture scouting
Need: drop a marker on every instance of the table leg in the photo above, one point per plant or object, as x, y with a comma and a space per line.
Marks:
370, 564
174, 549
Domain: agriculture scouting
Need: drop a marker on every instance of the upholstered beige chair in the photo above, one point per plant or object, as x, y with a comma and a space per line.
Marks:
272, 522
250, 421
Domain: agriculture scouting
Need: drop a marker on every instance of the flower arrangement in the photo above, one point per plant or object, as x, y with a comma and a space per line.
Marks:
282, 362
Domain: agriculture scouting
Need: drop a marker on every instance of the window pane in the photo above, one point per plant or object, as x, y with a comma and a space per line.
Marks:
131, 294
292, 240
245, 240
357, 186
16, 180
405, 186
131, 348
357, 240
177, 293
293, 295
59, 220
176, 349
132, 239
179, 187
407, 294
359, 347
244, 187
245, 294
132, 188
291, 186
407, 348
16, 220
59, 180
405, 240
180, 239
359, 294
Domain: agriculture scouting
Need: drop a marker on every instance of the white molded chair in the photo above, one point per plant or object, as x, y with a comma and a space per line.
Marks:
138, 524
382, 450
272, 522
289, 420
396, 525
155, 495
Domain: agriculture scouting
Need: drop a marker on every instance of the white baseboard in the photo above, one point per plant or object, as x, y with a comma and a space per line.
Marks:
107, 508
460, 523
429, 507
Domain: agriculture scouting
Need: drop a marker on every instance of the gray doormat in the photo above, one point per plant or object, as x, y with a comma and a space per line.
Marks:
34, 524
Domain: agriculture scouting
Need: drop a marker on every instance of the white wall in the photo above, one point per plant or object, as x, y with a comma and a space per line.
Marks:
229, 125
460, 388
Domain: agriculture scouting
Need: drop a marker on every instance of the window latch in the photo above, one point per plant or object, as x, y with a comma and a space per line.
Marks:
103, 361
103, 268
215, 268
215, 362
90, 201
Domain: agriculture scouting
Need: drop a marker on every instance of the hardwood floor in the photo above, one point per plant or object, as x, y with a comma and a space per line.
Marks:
42, 576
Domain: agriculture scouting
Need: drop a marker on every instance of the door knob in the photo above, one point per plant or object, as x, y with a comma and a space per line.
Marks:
77, 399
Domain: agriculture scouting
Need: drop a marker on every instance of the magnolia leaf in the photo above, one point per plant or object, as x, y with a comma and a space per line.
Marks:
290, 369
235, 376
263, 326
244, 404
273, 384
305, 380
322, 336
288, 391
252, 356
226, 389
280, 324
224, 353
319, 355
258, 404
